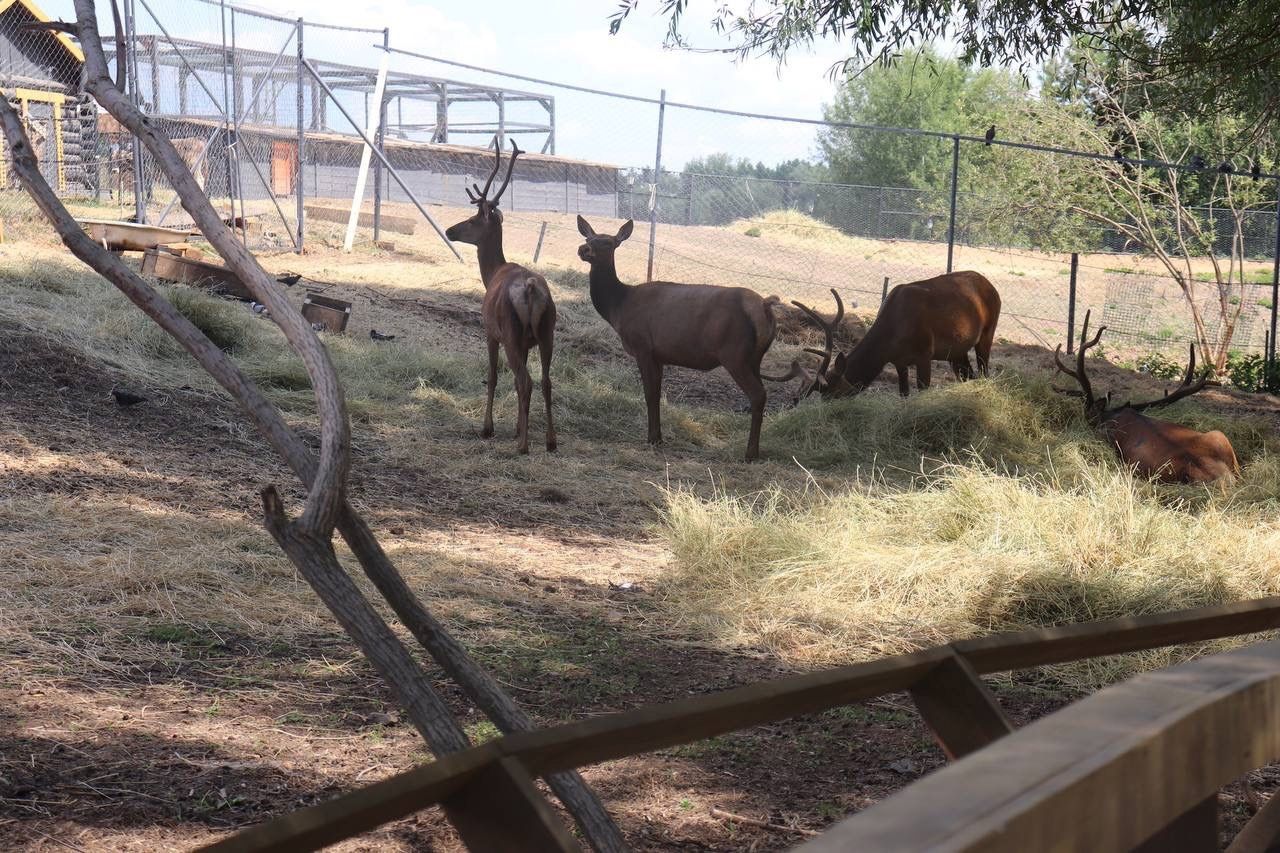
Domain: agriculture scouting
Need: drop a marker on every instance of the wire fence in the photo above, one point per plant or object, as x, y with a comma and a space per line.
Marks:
272, 115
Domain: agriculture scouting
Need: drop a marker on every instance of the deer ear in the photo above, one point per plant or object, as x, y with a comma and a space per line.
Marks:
584, 229
625, 231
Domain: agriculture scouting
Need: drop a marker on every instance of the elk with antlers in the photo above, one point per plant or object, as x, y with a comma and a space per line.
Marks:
1170, 452
518, 311
702, 326
939, 318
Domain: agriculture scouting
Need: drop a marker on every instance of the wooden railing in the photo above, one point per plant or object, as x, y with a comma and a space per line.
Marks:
497, 777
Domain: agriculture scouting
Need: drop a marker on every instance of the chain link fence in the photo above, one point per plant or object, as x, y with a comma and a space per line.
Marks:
274, 126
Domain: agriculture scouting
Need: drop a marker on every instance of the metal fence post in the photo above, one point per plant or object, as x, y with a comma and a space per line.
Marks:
131, 62
1275, 281
884, 291
300, 176
657, 180
1071, 303
951, 224
381, 106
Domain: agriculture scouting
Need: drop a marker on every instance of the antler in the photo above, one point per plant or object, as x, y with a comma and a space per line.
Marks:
828, 331
1078, 374
511, 165
483, 194
1185, 389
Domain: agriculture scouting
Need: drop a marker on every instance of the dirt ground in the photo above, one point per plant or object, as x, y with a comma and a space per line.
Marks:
133, 718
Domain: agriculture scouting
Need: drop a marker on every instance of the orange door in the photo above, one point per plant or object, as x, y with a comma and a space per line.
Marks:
284, 166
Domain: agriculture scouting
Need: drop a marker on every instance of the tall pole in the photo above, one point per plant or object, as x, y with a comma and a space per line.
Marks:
1071, 303
299, 192
657, 178
951, 223
1275, 279
131, 62
381, 107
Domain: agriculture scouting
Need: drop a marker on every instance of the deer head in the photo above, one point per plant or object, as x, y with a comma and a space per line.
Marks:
820, 380
1099, 409
488, 217
600, 247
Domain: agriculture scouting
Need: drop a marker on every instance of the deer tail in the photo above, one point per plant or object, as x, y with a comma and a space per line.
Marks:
529, 301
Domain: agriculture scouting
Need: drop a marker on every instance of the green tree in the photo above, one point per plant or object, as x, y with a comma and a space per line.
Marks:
1221, 51
926, 92
722, 188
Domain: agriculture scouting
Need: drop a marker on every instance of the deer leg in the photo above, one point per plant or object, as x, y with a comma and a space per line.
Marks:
983, 350
749, 381
651, 376
545, 346
524, 390
487, 431
904, 379
924, 373
962, 368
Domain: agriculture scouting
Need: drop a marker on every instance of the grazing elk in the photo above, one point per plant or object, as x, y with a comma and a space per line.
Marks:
1170, 452
702, 326
939, 318
518, 311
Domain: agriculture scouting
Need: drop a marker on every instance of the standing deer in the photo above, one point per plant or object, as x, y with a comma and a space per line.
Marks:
701, 326
939, 318
517, 310
1170, 452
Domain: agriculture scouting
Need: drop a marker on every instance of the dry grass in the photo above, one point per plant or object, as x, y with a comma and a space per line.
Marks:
1035, 524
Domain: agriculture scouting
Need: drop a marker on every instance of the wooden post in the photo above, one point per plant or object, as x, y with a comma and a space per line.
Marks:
502, 809
537, 250
1194, 832
962, 713
366, 153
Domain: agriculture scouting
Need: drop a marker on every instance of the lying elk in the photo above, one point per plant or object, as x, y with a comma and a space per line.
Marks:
702, 326
939, 318
1171, 452
517, 309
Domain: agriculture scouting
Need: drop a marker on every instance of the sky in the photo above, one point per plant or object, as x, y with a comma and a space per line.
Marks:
565, 41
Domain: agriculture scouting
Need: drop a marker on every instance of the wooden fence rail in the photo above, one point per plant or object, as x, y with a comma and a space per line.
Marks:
944, 682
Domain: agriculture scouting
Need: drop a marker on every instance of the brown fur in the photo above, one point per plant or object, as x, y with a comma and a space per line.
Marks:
940, 318
1170, 452
1156, 448
701, 326
518, 312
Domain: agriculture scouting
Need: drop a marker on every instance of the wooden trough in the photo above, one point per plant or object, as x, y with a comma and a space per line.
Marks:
211, 277
331, 313
387, 222
119, 236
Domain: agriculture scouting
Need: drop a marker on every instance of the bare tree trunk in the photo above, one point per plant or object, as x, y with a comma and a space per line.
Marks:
309, 538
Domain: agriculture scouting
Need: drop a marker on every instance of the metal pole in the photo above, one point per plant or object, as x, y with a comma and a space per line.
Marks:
299, 192
657, 178
131, 62
315, 75
951, 224
1275, 281
1071, 303
237, 94
884, 291
377, 139
227, 137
